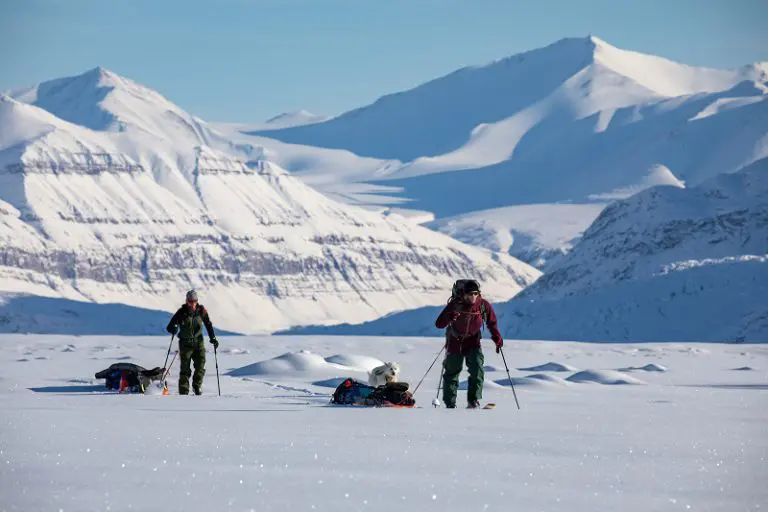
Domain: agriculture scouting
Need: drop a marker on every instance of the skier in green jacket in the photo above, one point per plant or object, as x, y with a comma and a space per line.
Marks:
188, 323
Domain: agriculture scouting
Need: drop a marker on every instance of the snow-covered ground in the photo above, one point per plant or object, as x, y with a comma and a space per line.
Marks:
601, 427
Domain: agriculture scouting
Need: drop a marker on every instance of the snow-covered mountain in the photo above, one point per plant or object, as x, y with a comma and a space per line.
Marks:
579, 121
517, 156
538, 233
295, 118
104, 101
656, 231
131, 211
668, 263
284, 120
572, 77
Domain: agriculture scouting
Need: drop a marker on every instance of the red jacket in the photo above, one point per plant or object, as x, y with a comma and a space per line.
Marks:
465, 325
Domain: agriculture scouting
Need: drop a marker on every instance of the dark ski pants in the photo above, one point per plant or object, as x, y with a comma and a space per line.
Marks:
452, 368
191, 352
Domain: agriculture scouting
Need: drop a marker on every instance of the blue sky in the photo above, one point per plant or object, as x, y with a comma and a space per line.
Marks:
247, 60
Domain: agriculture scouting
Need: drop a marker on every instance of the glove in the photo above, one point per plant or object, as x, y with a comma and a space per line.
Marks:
172, 329
455, 316
499, 343
215, 343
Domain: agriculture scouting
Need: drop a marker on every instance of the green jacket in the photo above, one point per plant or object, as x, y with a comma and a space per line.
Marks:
190, 324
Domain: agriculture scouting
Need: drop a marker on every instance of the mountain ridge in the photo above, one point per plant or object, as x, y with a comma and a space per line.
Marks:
91, 216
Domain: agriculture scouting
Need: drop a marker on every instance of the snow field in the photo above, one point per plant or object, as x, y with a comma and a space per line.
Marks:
692, 437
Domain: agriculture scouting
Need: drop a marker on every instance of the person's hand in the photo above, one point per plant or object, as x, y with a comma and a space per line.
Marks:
499, 343
455, 316
215, 343
172, 329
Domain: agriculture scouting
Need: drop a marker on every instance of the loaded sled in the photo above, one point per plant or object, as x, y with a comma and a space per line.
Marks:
129, 377
354, 392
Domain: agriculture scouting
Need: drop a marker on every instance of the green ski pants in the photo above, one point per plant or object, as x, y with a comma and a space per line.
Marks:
452, 368
193, 352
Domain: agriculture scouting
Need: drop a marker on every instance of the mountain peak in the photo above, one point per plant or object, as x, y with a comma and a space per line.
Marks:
589, 42
579, 50
757, 71
85, 83
102, 100
100, 76
294, 114
293, 118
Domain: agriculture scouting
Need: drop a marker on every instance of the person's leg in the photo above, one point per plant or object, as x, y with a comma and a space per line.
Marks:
185, 354
475, 362
199, 359
451, 370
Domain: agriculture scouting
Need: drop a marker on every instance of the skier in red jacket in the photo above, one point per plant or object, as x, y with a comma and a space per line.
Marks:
463, 319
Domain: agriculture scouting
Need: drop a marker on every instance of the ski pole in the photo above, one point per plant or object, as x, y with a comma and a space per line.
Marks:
428, 369
168, 370
216, 357
436, 401
501, 351
169, 350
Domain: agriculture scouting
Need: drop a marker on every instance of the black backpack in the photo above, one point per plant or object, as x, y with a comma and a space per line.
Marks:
457, 291
393, 393
459, 286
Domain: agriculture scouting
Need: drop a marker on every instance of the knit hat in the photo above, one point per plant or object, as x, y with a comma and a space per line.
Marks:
472, 286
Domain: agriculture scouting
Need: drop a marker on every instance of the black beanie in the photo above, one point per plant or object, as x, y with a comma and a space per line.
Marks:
472, 286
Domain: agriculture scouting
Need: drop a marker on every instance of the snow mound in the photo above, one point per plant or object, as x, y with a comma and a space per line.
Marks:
361, 363
82, 381
608, 377
744, 369
235, 351
463, 385
653, 367
530, 381
306, 362
287, 364
554, 379
550, 367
